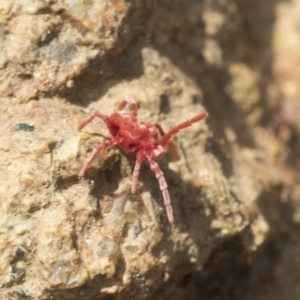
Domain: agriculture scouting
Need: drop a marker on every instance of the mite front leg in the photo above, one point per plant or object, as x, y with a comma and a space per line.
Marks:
91, 117
131, 102
170, 144
95, 152
163, 187
180, 126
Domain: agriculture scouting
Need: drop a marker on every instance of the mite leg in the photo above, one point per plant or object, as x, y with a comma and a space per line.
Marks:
131, 102
170, 144
91, 117
180, 126
95, 152
160, 129
163, 187
136, 171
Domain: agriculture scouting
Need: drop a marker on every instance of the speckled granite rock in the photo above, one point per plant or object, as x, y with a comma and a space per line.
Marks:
45, 44
235, 188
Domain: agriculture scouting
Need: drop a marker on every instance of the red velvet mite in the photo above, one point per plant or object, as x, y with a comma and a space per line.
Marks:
147, 140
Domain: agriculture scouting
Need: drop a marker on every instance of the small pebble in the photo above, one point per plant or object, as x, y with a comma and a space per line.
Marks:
24, 127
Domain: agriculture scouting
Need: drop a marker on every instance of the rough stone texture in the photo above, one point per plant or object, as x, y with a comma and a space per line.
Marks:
44, 44
235, 189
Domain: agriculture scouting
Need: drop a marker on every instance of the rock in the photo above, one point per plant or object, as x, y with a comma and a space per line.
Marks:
234, 190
